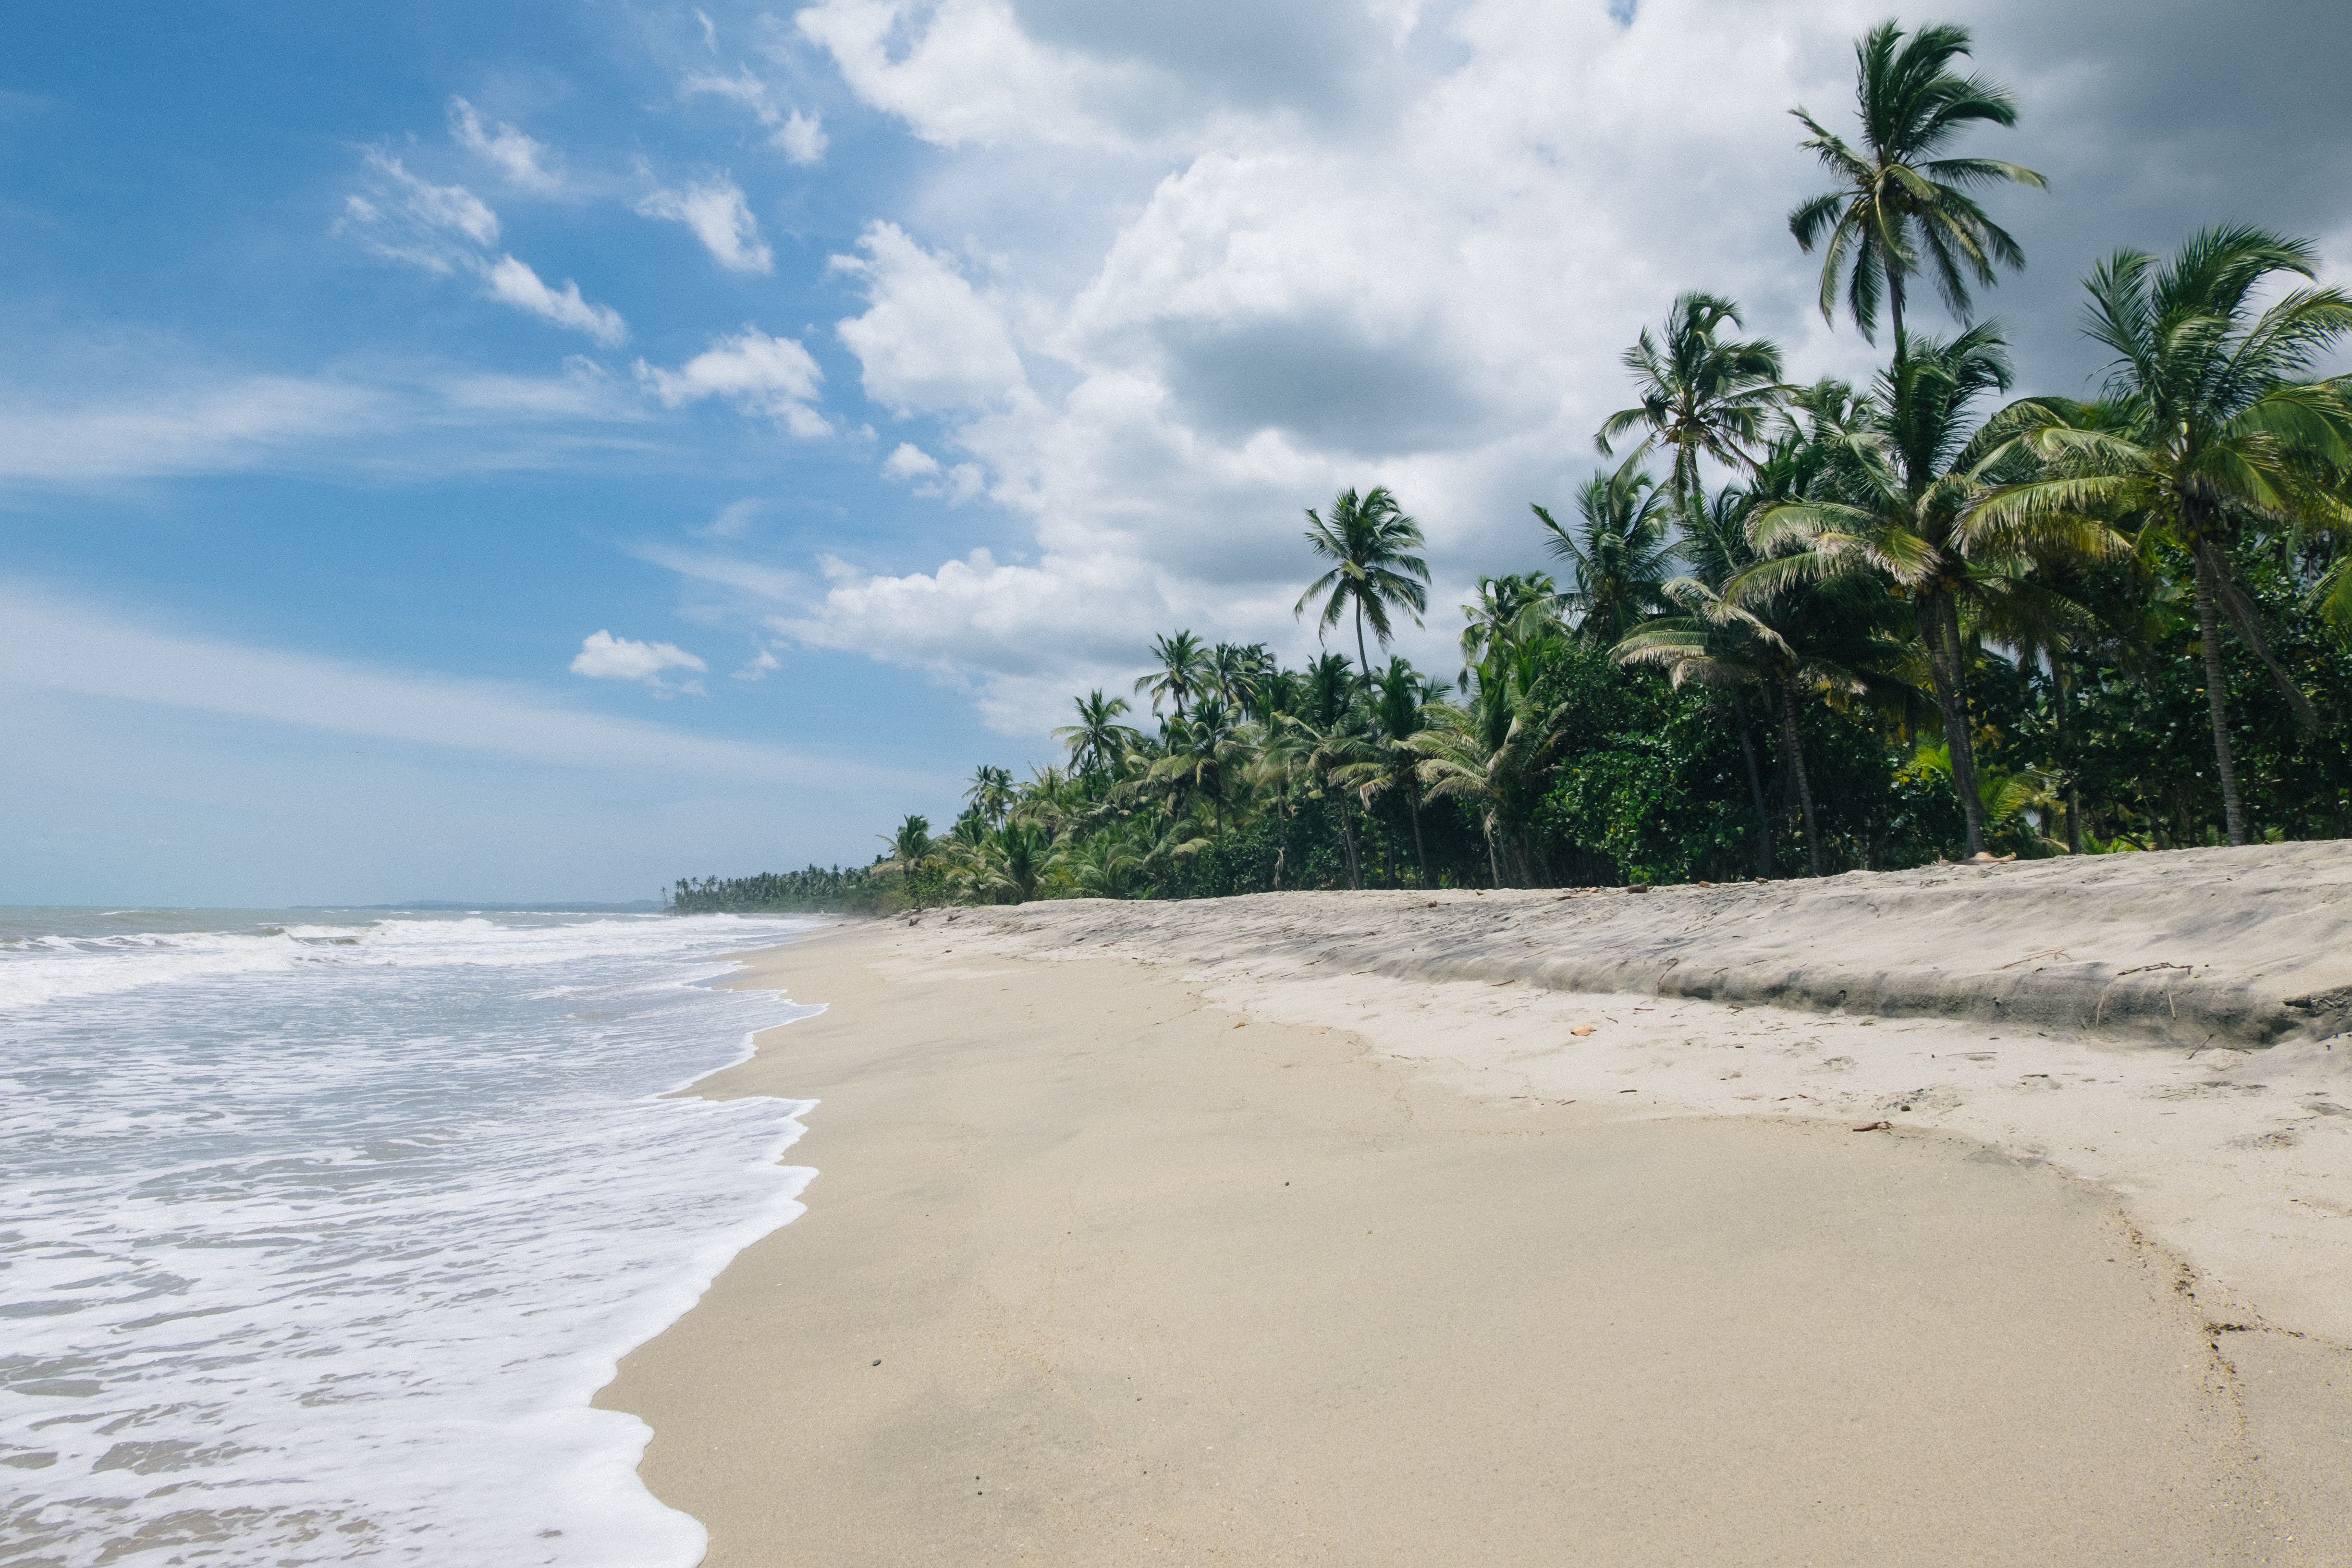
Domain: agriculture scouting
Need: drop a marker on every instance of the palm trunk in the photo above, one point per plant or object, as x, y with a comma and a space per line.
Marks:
2233, 813
1493, 867
1755, 788
2061, 691
1348, 838
1797, 770
1938, 615
1362, 657
1419, 852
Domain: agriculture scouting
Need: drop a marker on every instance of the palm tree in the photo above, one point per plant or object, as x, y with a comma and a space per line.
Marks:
1204, 758
1491, 753
1008, 864
1703, 397
1323, 747
1368, 543
2211, 429
1895, 197
1237, 672
1803, 639
1182, 669
912, 853
990, 794
1888, 506
1098, 742
1619, 568
1399, 696
1506, 610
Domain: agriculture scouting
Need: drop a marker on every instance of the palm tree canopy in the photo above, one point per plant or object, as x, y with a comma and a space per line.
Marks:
1179, 669
1368, 542
1619, 565
1097, 742
1898, 196
1701, 396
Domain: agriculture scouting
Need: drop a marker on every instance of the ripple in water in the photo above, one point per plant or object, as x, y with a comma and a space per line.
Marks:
315, 1239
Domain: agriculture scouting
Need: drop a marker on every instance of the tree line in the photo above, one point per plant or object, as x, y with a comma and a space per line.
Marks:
1917, 618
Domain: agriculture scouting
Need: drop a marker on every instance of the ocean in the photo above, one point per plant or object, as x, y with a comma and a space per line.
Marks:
318, 1229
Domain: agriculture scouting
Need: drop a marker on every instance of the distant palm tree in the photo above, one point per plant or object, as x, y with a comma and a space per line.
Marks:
1182, 669
1008, 865
1098, 742
1895, 197
990, 794
1703, 397
1491, 753
1618, 569
1506, 611
1323, 748
1204, 758
912, 852
1400, 695
2210, 428
1368, 542
1237, 672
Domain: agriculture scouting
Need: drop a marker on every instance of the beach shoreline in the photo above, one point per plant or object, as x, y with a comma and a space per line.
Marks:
1479, 1322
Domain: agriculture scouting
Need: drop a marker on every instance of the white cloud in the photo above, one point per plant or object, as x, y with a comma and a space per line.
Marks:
774, 376
58, 645
929, 341
801, 138
604, 657
224, 426
910, 462
519, 286
757, 669
519, 157
733, 519
448, 229
719, 216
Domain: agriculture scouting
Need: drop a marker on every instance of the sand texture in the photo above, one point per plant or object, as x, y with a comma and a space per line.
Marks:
1179, 1241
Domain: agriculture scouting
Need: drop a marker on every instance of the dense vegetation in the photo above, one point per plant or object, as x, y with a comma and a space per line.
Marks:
1917, 618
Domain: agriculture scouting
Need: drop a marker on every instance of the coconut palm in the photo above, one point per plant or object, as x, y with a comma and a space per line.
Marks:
1400, 697
1204, 758
912, 852
1896, 196
990, 794
1368, 542
1625, 555
1505, 611
1699, 395
1237, 672
1888, 506
1321, 748
2211, 429
1490, 754
1181, 669
1098, 742
1007, 866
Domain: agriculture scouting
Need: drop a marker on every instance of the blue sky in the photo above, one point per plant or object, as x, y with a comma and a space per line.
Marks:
540, 451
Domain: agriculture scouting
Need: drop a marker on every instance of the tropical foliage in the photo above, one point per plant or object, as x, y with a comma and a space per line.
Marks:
1847, 626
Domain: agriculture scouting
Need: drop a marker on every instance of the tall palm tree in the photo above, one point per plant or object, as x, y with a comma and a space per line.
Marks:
1098, 742
1901, 474
1504, 611
1237, 672
1368, 540
1181, 669
1701, 396
2211, 429
1896, 197
1399, 696
1803, 640
1617, 568
990, 794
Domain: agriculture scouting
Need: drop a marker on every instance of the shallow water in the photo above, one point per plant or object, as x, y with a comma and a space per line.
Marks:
317, 1230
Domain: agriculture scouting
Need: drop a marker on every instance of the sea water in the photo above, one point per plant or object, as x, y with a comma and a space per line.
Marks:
318, 1231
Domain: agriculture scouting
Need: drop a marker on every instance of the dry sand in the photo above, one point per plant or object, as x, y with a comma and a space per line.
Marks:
1303, 1230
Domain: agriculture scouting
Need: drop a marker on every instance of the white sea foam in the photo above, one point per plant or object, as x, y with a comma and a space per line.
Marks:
319, 1237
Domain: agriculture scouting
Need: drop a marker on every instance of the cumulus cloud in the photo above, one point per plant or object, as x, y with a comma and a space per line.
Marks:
910, 464
774, 376
799, 137
520, 158
929, 342
519, 286
448, 229
604, 657
715, 211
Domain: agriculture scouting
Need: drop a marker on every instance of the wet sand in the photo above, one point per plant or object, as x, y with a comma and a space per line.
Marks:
1154, 1277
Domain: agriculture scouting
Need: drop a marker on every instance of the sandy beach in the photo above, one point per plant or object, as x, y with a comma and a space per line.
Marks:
1534, 1228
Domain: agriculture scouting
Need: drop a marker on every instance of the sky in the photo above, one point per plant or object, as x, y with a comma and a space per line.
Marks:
538, 451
